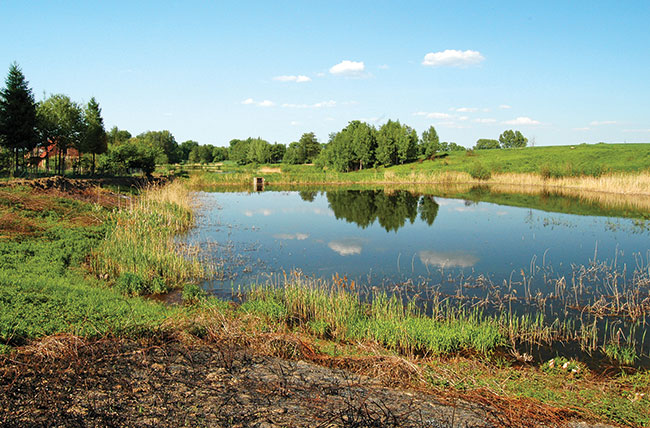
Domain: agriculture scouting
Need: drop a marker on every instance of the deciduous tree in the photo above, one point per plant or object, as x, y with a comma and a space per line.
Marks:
512, 139
60, 123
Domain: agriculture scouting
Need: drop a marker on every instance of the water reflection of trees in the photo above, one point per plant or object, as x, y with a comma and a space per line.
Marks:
390, 210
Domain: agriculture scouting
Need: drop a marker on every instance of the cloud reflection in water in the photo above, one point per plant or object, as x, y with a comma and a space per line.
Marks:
346, 246
447, 259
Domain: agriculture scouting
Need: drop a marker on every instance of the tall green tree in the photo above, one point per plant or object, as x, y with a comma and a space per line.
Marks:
95, 139
205, 153
352, 148
18, 131
278, 151
185, 148
293, 155
512, 139
430, 143
309, 147
364, 143
118, 136
219, 154
238, 151
60, 122
259, 151
164, 143
396, 144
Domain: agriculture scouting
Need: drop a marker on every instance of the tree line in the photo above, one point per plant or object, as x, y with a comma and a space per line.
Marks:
40, 135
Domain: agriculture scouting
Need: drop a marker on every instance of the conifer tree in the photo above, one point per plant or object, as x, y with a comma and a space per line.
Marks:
17, 115
95, 140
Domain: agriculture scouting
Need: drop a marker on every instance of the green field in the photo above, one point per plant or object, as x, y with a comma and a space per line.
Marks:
548, 162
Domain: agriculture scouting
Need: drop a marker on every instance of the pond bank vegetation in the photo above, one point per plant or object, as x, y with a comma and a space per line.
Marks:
76, 266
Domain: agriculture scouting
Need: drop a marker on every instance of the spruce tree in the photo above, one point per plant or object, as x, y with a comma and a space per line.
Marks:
17, 115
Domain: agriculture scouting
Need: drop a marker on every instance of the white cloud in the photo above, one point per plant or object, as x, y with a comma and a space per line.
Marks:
603, 122
484, 120
350, 68
452, 124
433, 115
452, 58
373, 119
447, 260
637, 130
585, 128
265, 103
347, 246
522, 120
294, 123
330, 103
465, 109
263, 211
504, 106
297, 79
384, 67
463, 118
289, 236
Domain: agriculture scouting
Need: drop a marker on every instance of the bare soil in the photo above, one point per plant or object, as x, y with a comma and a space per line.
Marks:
163, 382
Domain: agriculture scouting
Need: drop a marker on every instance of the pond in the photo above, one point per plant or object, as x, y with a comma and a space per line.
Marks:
560, 264
374, 237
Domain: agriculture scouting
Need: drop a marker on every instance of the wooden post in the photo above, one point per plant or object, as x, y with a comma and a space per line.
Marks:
258, 184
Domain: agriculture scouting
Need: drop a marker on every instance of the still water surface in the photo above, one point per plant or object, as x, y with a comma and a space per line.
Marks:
379, 239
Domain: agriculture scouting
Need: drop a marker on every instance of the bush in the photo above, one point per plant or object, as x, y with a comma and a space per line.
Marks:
480, 172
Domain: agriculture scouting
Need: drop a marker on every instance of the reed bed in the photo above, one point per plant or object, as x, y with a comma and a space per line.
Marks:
337, 313
616, 190
626, 183
140, 253
419, 321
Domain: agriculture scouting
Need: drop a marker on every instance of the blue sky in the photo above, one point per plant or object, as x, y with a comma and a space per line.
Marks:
561, 72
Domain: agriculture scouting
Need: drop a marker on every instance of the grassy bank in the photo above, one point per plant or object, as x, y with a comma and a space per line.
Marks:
69, 262
44, 288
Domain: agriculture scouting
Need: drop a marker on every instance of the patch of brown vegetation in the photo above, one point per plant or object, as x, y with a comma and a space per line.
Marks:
13, 225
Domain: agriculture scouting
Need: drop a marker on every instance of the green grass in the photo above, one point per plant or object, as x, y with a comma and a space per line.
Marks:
338, 314
49, 242
43, 291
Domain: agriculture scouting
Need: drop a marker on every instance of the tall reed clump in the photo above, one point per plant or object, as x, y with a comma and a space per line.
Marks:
139, 253
337, 313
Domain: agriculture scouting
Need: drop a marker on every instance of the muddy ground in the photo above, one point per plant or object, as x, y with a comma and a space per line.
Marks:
163, 382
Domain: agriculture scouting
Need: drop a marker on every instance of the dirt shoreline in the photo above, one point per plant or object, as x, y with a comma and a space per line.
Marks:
164, 382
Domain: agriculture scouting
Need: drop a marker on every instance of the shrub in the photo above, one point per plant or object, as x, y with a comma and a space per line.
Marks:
479, 172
